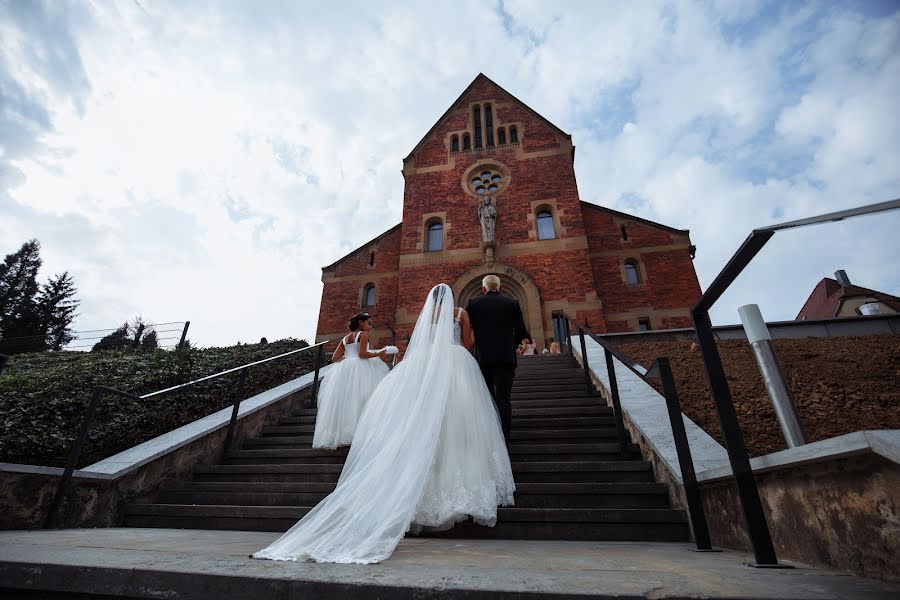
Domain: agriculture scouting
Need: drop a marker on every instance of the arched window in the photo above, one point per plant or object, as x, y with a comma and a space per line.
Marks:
369, 295
454, 144
467, 142
513, 135
476, 118
501, 136
435, 240
632, 272
489, 124
545, 228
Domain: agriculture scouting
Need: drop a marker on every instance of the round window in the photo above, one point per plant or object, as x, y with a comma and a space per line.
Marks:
487, 179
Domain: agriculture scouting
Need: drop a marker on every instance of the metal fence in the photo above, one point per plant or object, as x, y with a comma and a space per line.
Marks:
127, 336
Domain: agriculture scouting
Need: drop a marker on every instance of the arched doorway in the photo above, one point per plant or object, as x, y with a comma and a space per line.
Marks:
513, 283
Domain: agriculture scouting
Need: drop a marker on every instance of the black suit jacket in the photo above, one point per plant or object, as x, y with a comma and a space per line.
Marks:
499, 327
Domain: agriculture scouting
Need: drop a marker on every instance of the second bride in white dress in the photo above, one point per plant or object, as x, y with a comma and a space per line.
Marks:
347, 387
428, 452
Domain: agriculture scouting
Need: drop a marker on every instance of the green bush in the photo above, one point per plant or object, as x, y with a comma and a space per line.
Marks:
43, 396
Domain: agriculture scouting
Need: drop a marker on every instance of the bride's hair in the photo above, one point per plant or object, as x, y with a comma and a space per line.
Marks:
356, 319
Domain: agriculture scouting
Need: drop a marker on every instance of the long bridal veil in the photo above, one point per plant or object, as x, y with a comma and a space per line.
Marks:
371, 509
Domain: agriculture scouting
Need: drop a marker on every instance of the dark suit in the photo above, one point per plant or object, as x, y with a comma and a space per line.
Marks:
499, 327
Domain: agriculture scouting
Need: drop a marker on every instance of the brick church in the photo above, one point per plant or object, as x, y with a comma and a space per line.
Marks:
491, 189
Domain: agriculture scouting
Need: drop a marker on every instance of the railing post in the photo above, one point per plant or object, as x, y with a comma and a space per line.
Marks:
589, 386
568, 338
754, 517
315, 389
616, 401
183, 334
238, 397
62, 489
3, 360
685, 461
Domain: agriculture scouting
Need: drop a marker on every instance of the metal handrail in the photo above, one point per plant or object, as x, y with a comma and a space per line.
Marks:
100, 391
661, 369
751, 505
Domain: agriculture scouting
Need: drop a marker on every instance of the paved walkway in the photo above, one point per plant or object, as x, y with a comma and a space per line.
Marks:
174, 563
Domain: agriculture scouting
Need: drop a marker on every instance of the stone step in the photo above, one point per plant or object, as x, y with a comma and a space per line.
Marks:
264, 473
557, 402
596, 471
560, 423
304, 412
294, 441
528, 495
595, 409
564, 436
641, 524
570, 452
564, 394
623, 525
285, 456
544, 386
311, 419
549, 375
289, 429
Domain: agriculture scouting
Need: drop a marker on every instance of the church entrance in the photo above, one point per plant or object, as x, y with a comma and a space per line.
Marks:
513, 283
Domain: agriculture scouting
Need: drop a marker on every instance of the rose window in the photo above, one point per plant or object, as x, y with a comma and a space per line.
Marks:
487, 181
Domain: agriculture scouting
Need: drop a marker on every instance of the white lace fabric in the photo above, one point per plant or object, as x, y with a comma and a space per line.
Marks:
428, 450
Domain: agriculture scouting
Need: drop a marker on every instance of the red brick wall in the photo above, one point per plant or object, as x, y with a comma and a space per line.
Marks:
669, 280
341, 297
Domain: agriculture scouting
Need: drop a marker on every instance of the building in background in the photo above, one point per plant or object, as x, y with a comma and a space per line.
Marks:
839, 298
491, 189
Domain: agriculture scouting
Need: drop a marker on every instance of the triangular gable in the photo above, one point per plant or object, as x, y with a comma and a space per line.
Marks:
479, 77
352, 252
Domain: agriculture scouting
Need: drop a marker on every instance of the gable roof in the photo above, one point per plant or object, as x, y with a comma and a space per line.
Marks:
355, 250
480, 77
634, 218
827, 297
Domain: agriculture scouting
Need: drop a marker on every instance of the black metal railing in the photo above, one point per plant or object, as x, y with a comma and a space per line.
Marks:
65, 482
754, 517
3, 360
661, 369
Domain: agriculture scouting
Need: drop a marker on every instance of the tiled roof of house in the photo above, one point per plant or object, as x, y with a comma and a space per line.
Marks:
826, 298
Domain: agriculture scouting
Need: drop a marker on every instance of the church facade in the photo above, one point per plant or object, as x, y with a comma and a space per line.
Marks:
491, 189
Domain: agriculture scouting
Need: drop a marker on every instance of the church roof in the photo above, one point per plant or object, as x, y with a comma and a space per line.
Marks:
634, 218
480, 77
352, 252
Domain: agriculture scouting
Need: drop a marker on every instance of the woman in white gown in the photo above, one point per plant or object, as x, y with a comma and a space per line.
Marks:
428, 452
349, 384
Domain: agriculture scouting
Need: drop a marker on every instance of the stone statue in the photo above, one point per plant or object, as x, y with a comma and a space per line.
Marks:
487, 215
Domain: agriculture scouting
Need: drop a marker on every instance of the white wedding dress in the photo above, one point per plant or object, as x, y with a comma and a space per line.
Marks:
344, 394
427, 453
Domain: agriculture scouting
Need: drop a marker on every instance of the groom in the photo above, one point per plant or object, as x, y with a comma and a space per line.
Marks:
498, 325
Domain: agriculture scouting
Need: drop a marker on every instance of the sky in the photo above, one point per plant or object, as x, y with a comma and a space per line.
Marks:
203, 160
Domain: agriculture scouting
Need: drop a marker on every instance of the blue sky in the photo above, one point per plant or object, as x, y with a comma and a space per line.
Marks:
202, 161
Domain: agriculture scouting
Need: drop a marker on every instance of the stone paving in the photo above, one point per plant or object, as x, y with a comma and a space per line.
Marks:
174, 563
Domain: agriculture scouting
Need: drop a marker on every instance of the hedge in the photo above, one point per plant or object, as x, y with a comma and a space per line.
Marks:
43, 396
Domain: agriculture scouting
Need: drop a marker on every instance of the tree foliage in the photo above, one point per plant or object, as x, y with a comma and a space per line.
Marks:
34, 317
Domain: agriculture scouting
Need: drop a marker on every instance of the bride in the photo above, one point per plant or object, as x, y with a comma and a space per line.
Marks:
428, 452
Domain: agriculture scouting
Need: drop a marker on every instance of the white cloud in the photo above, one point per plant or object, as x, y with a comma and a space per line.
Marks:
201, 161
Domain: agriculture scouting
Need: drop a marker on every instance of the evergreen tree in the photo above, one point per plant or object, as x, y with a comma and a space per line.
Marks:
20, 319
149, 341
57, 305
117, 340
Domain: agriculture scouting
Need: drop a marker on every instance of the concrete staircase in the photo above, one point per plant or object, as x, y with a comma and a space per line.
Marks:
573, 482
